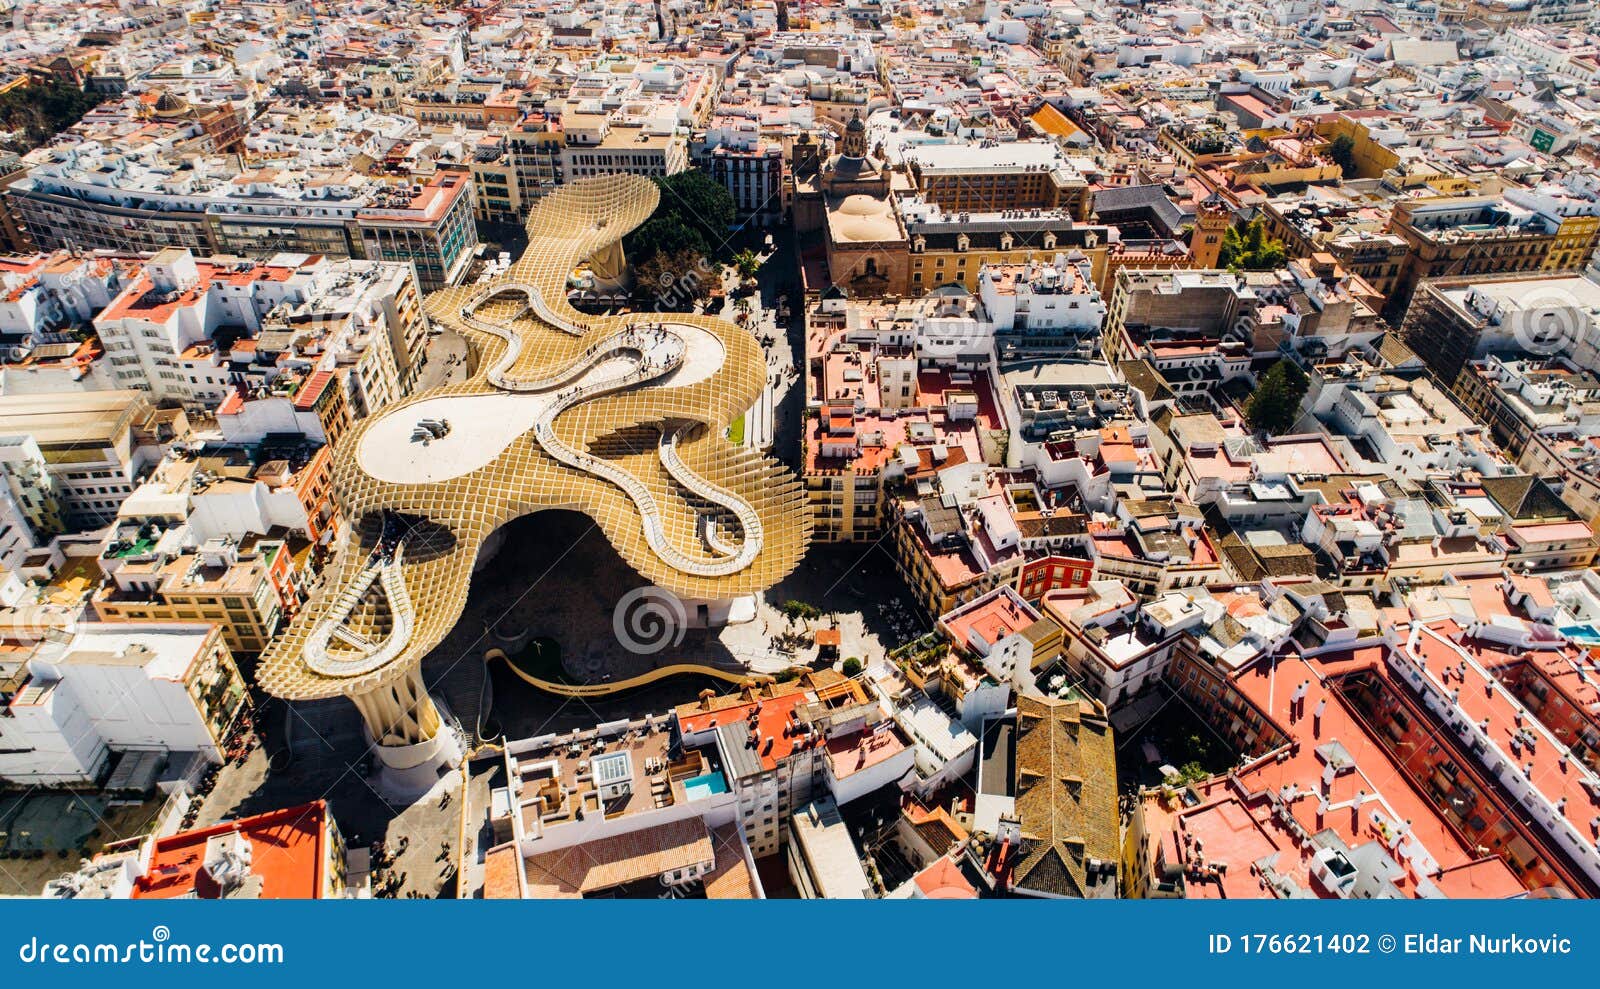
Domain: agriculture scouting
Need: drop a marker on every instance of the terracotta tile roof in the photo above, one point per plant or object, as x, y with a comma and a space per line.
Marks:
309, 392
941, 831
607, 862
730, 878
501, 878
1066, 787
1054, 122
1524, 497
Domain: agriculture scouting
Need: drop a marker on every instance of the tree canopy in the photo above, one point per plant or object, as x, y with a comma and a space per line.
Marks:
673, 253
37, 111
664, 235
1276, 403
697, 197
1248, 248
1342, 152
694, 214
747, 262
673, 280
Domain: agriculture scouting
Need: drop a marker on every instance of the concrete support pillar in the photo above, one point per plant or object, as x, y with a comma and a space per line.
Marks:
415, 748
401, 713
609, 266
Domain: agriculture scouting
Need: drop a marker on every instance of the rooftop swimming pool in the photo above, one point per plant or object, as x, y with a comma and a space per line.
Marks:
705, 785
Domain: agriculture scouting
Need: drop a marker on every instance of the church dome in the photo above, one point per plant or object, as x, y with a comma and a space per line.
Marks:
170, 102
860, 205
861, 219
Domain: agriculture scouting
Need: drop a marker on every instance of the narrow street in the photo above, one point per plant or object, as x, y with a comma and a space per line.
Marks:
776, 319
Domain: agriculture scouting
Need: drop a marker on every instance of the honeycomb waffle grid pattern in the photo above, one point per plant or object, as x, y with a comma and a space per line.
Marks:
566, 227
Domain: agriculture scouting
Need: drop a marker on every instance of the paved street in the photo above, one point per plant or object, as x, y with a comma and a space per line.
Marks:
771, 314
446, 361
316, 751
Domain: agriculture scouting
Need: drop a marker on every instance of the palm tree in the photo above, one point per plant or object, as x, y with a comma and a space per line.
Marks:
747, 263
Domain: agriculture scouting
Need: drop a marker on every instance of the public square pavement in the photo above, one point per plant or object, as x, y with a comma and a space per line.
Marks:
556, 576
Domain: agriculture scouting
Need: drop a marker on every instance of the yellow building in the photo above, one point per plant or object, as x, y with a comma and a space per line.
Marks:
953, 250
1211, 224
1371, 159
1574, 243
234, 587
1022, 175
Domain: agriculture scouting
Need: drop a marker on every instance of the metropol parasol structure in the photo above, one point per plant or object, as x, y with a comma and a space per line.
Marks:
619, 417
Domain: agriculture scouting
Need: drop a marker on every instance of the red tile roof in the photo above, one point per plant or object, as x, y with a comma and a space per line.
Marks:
943, 881
288, 850
772, 716
312, 390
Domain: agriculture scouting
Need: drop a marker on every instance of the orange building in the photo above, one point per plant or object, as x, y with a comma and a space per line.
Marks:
291, 854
